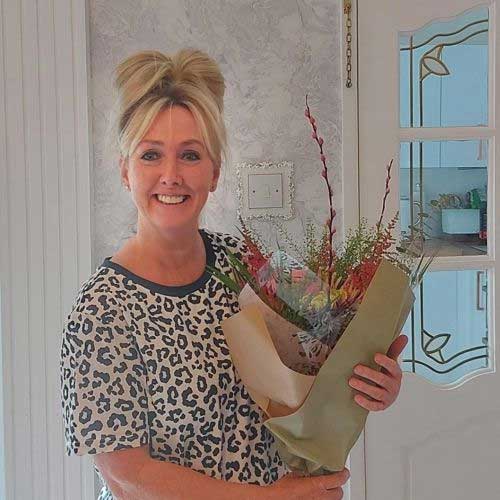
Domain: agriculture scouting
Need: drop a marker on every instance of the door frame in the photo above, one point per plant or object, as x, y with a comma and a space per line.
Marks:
356, 487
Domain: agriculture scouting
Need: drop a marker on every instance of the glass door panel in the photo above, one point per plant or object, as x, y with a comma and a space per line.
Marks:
443, 80
443, 195
444, 72
448, 327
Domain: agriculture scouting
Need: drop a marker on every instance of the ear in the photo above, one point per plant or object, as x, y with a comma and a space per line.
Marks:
124, 171
215, 178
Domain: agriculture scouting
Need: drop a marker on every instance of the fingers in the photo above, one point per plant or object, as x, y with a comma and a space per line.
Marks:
390, 365
373, 375
379, 390
333, 494
376, 392
369, 404
397, 347
335, 480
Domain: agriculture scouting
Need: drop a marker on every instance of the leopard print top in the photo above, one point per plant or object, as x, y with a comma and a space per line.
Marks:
143, 363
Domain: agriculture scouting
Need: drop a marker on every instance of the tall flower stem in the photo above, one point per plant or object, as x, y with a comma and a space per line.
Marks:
324, 174
386, 194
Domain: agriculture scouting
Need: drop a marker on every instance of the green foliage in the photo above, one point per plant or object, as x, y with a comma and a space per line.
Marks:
358, 246
314, 246
288, 240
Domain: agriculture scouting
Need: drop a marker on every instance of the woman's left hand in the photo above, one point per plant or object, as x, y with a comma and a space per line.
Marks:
380, 388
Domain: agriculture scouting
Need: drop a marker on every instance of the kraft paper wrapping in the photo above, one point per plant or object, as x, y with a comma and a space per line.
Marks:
315, 420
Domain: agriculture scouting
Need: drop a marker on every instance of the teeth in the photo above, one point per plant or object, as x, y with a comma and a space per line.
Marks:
170, 199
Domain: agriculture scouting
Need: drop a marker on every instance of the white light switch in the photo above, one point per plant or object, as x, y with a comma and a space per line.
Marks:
265, 190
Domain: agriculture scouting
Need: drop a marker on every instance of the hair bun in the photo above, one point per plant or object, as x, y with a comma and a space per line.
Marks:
151, 72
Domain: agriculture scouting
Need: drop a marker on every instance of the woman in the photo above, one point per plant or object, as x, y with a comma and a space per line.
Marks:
148, 384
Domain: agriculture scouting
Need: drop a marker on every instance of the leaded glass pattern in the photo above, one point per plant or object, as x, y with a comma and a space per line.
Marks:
444, 189
448, 327
444, 72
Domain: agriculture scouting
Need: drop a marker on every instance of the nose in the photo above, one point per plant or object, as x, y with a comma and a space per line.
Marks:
171, 175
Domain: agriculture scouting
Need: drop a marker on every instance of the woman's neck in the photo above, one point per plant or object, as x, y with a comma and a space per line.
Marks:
168, 259
168, 250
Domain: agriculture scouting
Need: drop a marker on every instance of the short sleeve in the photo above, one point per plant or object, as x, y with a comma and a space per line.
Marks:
103, 380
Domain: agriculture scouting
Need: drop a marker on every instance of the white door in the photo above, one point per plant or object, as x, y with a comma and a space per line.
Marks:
427, 80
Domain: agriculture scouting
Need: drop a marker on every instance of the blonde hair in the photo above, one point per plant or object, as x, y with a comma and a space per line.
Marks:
150, 81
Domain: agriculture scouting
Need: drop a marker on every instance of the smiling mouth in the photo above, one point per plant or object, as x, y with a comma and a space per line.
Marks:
171, 200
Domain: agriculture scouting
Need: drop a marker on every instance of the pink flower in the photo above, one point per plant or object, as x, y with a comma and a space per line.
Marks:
270, 287
313, 288
298, 275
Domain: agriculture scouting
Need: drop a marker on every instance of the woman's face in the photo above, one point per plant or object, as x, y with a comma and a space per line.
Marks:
170, 172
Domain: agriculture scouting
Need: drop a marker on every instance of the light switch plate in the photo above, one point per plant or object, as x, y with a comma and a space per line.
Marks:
265, 190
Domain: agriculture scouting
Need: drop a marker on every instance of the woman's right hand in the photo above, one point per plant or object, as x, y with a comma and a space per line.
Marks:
293, 487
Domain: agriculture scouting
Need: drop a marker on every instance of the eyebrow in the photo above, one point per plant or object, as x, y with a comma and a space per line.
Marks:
183, 143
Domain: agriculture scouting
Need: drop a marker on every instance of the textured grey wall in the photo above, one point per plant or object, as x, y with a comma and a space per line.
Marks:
271, 52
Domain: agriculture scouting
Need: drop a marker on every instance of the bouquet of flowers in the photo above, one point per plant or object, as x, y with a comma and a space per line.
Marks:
304, 324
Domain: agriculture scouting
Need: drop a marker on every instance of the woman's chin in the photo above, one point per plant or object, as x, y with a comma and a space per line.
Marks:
174, 216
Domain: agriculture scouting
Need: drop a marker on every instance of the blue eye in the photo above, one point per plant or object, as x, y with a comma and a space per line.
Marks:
150, 156
194, 155
145, 156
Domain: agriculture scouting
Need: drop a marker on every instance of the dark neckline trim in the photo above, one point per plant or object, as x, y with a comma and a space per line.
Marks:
175, 291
